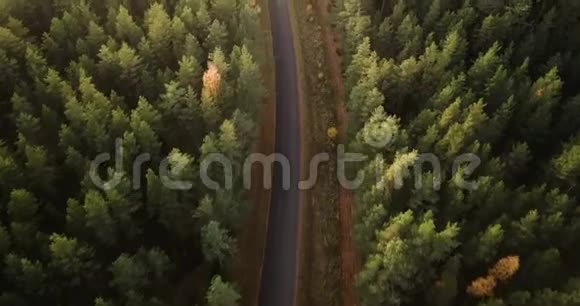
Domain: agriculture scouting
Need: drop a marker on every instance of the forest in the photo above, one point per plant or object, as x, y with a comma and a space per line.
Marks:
175, 79
494, 78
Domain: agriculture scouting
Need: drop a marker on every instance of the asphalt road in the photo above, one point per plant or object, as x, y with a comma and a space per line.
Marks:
279, 272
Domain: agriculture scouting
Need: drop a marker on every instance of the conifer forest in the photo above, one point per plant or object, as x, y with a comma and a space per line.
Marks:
177, 80
119, 119
498, 79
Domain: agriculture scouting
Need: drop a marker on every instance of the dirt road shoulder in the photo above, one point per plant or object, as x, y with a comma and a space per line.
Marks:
247, 269
348, 256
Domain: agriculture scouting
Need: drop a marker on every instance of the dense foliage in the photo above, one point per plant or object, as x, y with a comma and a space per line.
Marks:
498, 79
173, 78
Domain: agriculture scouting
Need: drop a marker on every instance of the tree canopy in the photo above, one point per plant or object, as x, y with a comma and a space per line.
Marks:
440, 78
85, 78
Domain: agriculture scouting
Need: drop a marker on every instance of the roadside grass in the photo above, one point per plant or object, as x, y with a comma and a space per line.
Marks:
328, 20
319, 269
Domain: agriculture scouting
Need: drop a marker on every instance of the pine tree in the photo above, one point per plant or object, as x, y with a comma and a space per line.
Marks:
409, 36
27, 275
217, 36
130, 64
249, 88
216, 242
248, 30
221, 293
122, 208
451, 114
158, 31
379, 133
387, 44
129, 274
535, 115
145, 120
486, 245
99, 218
38, 169
204, 20
356, 26
190, 72
432, 16
518, 159
567, 164
11, 44
245, 126
484, 67
17, 27
23, 206
404, 251
126, 29
494, 28
22, 209
186, 12
178, 36
175, 208
224, 10
192, 48
75, 218
180, 108
73, 261
362, 60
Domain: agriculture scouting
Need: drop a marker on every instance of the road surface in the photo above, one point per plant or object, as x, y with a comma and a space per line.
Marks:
279, 272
